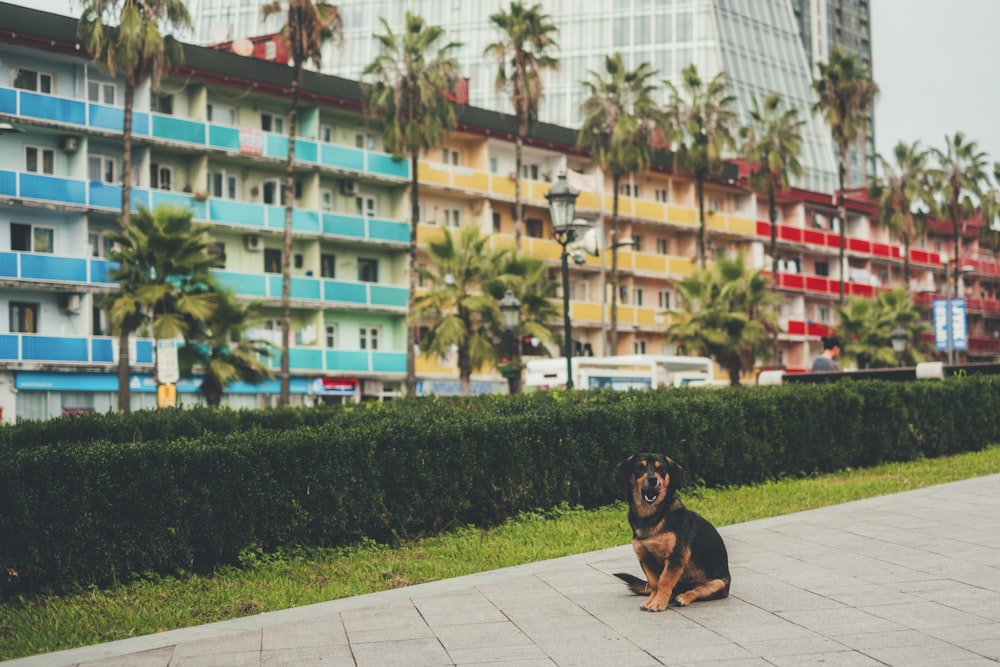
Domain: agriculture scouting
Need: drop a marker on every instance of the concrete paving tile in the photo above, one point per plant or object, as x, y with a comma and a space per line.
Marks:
960, 634
233, 644
940, 653
775, 595
481, 635
327, 631
488, 654
406, 653
218, 660
307, 657
844, 621
467, 607
617, 652
882, 639
839, 658
988, 648
672, 652
863, 594
397, 615
159, 657
923, 615
800, 646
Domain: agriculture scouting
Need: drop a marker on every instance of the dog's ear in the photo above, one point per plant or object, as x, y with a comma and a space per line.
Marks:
624, 469
676, 473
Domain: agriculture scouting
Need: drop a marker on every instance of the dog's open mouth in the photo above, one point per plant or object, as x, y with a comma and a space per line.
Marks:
649, 495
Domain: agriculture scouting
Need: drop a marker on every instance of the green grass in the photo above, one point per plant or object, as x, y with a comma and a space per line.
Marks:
269, 582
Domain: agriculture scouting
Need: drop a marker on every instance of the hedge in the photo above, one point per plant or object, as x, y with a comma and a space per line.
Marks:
194, 492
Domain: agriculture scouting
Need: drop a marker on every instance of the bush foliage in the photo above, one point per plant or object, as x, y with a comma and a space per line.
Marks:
96, 500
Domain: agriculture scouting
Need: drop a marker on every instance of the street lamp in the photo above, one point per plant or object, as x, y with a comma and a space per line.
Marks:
510, 310
562, 207
898, 338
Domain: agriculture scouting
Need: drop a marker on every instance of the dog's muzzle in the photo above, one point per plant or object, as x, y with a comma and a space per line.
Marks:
651, 489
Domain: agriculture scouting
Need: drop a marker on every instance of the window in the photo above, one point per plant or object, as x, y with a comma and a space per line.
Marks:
368, 337
662, 246
31, 238
272, 193
272, 123
636, 243
326, 197
331, 335
160, 177
639, 347
98, 92
452, 217
496, 222
272, 260
662, 195
298, 261
714, 205
222, 185
451, 156
161, 103
364, 141
326, 133
100, 244
533, 228
218, 250
367, 270
639, 295
366, 206
823, 314
822, 269
221, 114
23, 317
529, 171
101, 168
494, 165
29, 79
328, 266
663, 299
628, 190
39, 160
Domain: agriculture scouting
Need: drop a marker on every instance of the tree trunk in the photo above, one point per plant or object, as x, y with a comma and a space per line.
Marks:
842, 212
285, 396
772, 213
518, 206
411, 329
124, 370
700, 193
613, 332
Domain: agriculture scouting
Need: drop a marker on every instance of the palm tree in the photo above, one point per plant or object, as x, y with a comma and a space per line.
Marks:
521, 56
772, 145
404, 90
306, 28
221, 349
846, 98
700, 122
866, 326
164, 274
530, 280
619, 118
135, 47
959, 182
902, 186
462, 310
727, 313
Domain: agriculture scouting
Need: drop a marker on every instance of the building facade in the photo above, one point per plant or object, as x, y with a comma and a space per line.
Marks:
213, 139
757, 44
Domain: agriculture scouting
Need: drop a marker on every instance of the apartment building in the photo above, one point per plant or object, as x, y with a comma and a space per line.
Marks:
213, 138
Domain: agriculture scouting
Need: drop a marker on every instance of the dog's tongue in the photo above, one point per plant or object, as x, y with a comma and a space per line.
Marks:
659, 484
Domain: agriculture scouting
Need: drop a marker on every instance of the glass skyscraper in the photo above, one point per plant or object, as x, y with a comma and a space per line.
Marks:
760, 44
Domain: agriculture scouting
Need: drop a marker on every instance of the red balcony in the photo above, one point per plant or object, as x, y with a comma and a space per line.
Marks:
815, 237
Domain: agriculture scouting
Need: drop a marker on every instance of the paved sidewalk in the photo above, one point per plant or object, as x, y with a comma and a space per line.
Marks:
907, 579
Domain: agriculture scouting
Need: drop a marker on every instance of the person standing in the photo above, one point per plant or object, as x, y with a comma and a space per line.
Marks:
827, 361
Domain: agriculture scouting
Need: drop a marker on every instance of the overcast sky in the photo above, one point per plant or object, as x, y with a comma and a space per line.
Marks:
934, 60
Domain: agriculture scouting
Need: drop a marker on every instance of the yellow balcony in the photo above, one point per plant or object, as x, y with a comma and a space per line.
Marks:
429, 234
584, 312
682, 266
647, 262
687, 216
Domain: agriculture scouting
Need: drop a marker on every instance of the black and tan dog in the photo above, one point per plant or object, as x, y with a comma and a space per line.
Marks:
681, 553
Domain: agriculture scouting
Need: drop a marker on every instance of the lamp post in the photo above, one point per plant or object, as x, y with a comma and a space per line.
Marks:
510, 310
562, 207
898, 337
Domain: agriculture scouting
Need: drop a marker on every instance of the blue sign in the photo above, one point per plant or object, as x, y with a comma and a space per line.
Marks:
948, 317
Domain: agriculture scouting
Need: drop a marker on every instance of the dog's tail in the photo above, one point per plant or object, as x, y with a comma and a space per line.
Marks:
635, 584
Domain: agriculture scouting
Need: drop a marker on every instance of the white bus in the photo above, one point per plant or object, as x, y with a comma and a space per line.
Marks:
630, 371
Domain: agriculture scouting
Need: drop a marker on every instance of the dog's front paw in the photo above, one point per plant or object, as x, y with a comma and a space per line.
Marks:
654, 604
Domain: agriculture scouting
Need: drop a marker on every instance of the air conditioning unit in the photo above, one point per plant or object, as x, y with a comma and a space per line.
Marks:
69, 143
70, 303
253, 242
349, 187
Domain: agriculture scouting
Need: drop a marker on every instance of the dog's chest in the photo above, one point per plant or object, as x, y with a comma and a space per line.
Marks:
654, 540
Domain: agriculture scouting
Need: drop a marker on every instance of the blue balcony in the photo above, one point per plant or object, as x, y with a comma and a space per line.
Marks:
50, 107
358, 227
63, 349
53, 188
173, 128
333, 362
